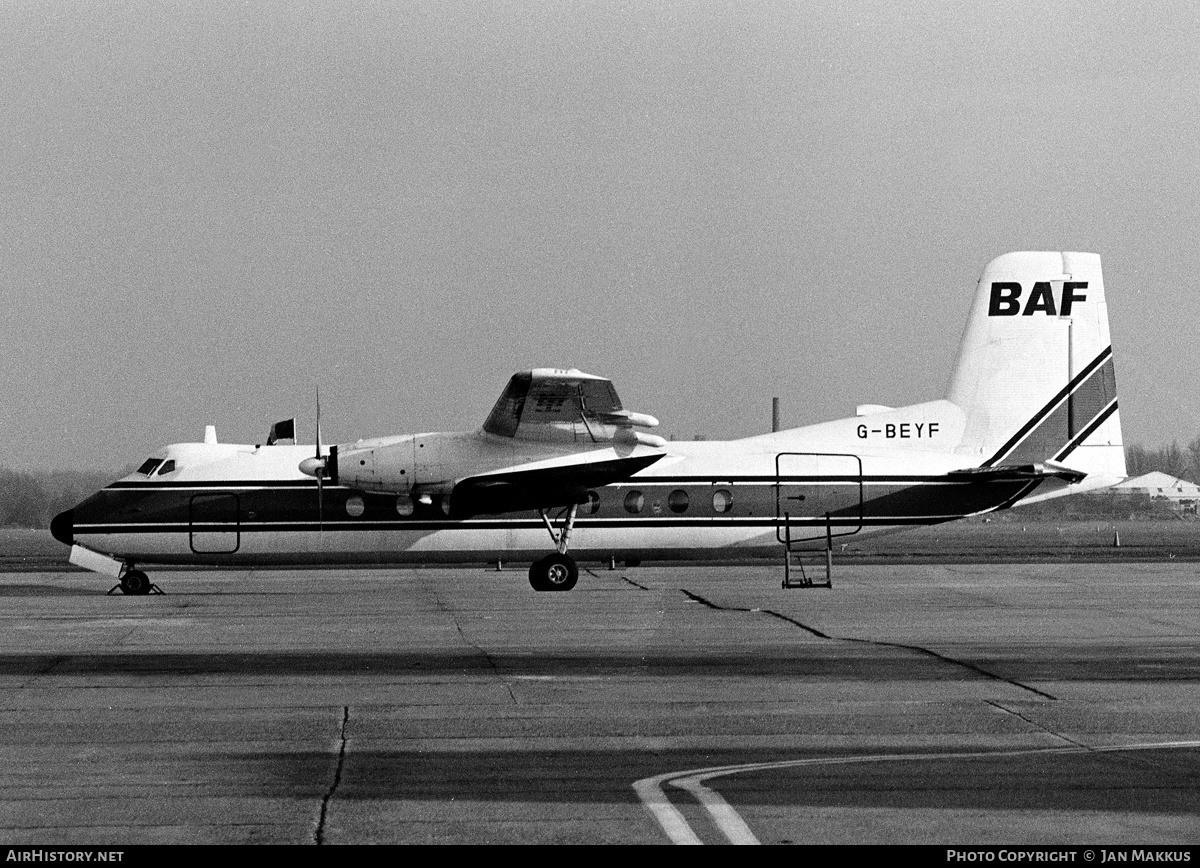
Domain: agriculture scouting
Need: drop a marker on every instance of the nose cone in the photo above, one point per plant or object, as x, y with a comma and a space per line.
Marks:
63, 527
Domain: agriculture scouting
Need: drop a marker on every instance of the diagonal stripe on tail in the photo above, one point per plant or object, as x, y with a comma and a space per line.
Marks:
1067, 419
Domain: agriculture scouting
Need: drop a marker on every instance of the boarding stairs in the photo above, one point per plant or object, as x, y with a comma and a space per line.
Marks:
793, 558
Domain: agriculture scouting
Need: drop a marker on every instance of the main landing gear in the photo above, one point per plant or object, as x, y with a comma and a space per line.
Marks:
136, 583
557, 571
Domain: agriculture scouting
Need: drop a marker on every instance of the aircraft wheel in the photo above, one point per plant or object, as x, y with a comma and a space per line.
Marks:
554, 573
135, 582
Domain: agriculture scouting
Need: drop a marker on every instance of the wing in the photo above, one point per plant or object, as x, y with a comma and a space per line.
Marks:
485, 472
542, 487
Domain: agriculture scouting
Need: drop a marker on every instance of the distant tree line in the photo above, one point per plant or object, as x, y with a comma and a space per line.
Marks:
33, 499
1104, 504
1179, 461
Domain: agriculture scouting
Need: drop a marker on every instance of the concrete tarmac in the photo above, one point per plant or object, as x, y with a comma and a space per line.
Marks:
1018, 703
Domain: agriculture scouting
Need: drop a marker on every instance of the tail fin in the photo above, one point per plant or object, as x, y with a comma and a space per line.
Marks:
1035, 373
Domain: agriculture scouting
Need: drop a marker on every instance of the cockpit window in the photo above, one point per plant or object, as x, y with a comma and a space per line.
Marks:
167, 467
148, 466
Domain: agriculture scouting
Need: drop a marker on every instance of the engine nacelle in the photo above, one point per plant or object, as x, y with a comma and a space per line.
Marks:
389, 467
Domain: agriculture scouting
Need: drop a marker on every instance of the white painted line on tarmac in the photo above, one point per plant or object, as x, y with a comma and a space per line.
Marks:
649, 790
731, 824
734, 828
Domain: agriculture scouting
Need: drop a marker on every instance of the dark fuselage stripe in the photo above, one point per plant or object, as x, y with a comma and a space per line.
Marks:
501, 524
634, 481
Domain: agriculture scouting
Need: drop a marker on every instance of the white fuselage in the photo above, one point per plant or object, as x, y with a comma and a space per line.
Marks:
231, 504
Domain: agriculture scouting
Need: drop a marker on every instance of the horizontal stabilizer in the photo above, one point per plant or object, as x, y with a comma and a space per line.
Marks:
1041, 470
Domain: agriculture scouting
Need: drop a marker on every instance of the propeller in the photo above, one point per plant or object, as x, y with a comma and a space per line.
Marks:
318, 467
321, 474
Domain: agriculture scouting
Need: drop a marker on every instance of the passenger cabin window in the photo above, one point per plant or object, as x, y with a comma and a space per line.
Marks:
722, 500
167, 467
148, 466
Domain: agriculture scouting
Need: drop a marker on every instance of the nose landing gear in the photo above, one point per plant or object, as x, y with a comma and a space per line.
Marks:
136, 583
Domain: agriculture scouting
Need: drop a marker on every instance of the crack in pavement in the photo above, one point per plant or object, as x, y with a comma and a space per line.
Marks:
876, 642
486, 656
1037, 725
319, 832
623, 578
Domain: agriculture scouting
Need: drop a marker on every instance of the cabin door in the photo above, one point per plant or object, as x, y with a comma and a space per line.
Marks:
817, 494
215, 528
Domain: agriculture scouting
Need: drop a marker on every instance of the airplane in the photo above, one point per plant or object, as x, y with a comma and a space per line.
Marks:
1030, 414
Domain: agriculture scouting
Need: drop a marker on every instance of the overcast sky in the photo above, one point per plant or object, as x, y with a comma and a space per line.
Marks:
209, 209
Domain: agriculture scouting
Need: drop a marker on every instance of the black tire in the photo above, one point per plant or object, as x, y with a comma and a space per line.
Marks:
554, 573
135, 582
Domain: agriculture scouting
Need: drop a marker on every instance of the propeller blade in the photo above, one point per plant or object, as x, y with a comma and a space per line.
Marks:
321, 467
318, 421
321, 472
